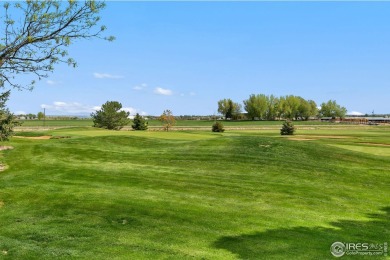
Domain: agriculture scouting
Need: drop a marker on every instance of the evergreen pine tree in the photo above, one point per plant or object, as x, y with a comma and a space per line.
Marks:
139, 123
287, 128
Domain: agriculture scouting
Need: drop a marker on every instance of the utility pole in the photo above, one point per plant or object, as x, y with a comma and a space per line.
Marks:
44, 116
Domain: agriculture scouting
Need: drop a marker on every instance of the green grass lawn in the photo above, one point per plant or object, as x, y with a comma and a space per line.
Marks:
194, 194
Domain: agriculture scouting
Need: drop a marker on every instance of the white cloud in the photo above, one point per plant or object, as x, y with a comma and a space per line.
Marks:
163, 91
134, 111
52, 82
106, 76
192, 93
69, 108
140, 87
355, 113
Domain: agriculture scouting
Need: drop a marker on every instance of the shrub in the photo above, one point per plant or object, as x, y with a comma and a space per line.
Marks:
217, 127
139, 123
287, 128
7, 120
167, 119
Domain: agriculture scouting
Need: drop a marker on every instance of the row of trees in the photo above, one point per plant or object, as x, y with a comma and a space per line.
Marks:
41, 116
112, 117
263, 107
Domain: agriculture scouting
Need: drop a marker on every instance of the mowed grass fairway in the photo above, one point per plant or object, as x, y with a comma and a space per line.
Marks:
194, 195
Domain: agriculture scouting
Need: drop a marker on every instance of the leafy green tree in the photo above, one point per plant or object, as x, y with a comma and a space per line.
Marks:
217, 127
287, 128
256, 106
167, 119
332, 109
306, 109
237, 109
111, 116
7, 120
224, 107
228, 108
139, 123
36, 34
313, 108
40, 116
280, 107
272, 106
292, 107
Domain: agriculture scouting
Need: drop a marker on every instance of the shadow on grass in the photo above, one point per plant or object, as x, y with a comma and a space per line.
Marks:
309, 243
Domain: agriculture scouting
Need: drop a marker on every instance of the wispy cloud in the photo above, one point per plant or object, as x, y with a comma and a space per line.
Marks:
106, 76
355, 113
163, 91
134, 111
191, 94
140, 87
52, 82
69, 108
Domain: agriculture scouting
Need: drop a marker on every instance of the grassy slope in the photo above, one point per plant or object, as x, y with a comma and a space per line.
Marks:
115, 195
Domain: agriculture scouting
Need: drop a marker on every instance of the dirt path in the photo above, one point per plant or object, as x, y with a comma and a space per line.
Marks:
3, 147
44, 137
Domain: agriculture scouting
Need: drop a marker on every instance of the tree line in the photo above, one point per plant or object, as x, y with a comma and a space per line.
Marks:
270, 107
112, 117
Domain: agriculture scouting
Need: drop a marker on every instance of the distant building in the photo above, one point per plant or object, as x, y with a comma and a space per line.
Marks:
358, 120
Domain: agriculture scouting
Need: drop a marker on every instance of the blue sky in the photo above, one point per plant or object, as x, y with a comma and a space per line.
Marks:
185, 56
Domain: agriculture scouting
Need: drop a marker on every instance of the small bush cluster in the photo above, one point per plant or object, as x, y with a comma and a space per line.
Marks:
217, 127
287, 128
139, 123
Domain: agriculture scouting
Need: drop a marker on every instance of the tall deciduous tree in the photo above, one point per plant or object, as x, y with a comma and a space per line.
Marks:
307, 108
332, 109
272, 103
291, 106
228, 108
111, 116
313, 108
256, 106
41, 115
34, 35
167, 119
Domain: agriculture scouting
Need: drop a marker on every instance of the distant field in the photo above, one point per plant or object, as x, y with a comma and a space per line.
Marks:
61, 123
249, 194
156, 123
